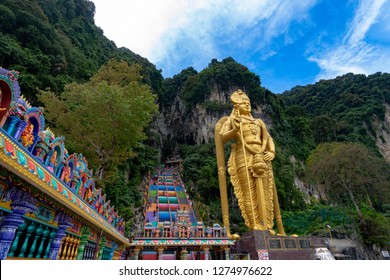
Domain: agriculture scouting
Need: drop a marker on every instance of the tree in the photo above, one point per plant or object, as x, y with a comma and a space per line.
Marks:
351, 173
323, 128
105, 117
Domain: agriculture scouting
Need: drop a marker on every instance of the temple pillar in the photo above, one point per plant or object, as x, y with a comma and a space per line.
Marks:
15, 243
136, 253
227, 253
38, 233
36, 139
198, 254
13, 120
30, 230
124, 255
101, 247
63, 224
160, 250
124, 252
183, 254
52, 234
114, 247
21, 204
85, 231
45, 234
73, 253
206, 253
65, 245
19, 129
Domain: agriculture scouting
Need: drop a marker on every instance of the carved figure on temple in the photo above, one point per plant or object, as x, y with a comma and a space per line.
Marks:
89, 196
53, 161
66, 174
249, 167
106, 207
38, 151
27, 136
121, 225
110, 214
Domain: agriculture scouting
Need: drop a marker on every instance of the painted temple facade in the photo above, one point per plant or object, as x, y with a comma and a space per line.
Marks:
171, 230
49, 205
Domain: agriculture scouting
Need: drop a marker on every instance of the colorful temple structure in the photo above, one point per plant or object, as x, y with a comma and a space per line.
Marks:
49, 206
171, 229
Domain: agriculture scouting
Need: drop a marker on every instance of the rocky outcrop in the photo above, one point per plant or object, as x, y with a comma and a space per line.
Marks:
192, 125
383, 134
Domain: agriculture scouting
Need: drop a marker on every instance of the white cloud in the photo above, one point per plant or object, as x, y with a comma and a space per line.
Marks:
285, 13
365, 16
174, 32
356, 54
139, 25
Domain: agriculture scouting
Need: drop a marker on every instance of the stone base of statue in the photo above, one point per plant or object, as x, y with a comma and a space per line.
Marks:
261, 245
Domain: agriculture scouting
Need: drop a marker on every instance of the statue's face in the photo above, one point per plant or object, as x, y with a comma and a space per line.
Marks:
245, 107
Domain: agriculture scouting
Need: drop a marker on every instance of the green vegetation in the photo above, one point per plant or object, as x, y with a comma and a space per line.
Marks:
105, 117
354, 177
200, 168
342, 109
313, 221
372, 228
194, 88
216, 106
351, 174
124, 191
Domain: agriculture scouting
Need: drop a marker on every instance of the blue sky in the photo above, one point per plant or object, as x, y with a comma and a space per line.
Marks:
285, 42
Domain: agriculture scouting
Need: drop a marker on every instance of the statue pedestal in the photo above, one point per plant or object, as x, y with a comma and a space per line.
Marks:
259, 244
251, 242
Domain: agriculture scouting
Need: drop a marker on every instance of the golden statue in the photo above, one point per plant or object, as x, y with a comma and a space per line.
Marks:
249, 167
27, 136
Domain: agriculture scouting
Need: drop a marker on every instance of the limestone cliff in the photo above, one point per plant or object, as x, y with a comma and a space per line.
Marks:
383, 134
194, 125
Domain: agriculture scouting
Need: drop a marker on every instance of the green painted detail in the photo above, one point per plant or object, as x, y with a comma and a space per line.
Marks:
54, 184
16, 240
21, 158
30, 230
44, 214
39, 222
83, 241
38, 232
45, 233
41, 174
101, 247
106, 253
65, 192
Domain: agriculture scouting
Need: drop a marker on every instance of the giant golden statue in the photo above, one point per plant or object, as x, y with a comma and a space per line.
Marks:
249, 167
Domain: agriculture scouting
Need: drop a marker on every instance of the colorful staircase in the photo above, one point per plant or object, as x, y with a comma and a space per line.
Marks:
171, 230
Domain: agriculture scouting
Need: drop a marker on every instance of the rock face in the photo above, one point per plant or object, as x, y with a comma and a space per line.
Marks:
180, 123
383, 134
